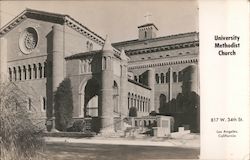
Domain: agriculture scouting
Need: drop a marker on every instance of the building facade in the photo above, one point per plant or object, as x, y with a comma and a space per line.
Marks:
40, 49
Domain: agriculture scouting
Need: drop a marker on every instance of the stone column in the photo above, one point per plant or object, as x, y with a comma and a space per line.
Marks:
3, 60
151, 84
170, 84
107, 81
57, 62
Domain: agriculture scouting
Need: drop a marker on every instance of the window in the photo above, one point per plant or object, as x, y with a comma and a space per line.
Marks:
29, 104
44, 104
162, 78
174, 77
145, 34
157, 78
180, 76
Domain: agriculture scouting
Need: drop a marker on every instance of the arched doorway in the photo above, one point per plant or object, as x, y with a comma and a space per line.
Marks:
91, 98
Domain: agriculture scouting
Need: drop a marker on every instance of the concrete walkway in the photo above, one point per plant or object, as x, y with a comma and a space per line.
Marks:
193, 142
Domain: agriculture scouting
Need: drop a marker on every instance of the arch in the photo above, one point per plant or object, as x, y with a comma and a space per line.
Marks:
115, 97
163, 100
89, 97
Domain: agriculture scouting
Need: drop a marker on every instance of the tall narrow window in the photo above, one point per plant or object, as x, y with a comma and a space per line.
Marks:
157, 78
24, 72
44, 104
40, 70
174, 77
19, 73
45, 70
29, 104
145, 34
14, 71
162, 78
35, 71
180, 76
10, 74
29, 71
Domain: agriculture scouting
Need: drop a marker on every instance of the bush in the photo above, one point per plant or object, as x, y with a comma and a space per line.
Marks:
132, 112
19, 137
77, 126
63, 105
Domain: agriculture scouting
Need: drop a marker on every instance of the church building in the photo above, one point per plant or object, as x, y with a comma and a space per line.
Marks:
40, 49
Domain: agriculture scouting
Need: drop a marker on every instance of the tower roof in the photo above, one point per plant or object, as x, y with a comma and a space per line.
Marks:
147, 25
107, 44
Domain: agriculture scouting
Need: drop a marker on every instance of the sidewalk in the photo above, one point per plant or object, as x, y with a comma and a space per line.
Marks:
183, 142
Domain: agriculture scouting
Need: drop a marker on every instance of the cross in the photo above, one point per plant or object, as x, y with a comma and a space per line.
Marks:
147, 17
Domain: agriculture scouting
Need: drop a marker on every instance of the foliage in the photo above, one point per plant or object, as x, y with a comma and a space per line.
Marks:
63, 105
77, 126
132, 112
19, 137
153, 113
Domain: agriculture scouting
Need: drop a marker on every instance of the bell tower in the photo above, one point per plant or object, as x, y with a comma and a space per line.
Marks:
148, 30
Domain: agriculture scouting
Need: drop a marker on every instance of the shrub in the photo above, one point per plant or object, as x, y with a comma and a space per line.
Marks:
19, 137
63, 105
132, 112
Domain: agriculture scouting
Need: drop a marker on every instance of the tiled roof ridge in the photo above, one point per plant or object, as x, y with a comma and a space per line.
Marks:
168, 36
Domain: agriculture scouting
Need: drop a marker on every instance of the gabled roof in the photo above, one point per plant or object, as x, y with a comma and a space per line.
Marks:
51, 17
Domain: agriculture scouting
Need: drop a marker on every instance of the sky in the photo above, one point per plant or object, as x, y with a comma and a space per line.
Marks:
117, 19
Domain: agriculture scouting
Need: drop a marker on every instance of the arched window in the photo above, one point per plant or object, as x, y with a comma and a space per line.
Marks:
180, 76
19, 73
10, 74
115, 97
145, 34
24, 72
174, 77
14, 71
135, 78
29, 72
157, 78
91, 46
40, 68
163, 100
167, 77
162, 78
35, 71
45, 70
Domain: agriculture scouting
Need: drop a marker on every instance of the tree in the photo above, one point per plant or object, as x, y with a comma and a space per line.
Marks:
20, 138
132, 112
63, 105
